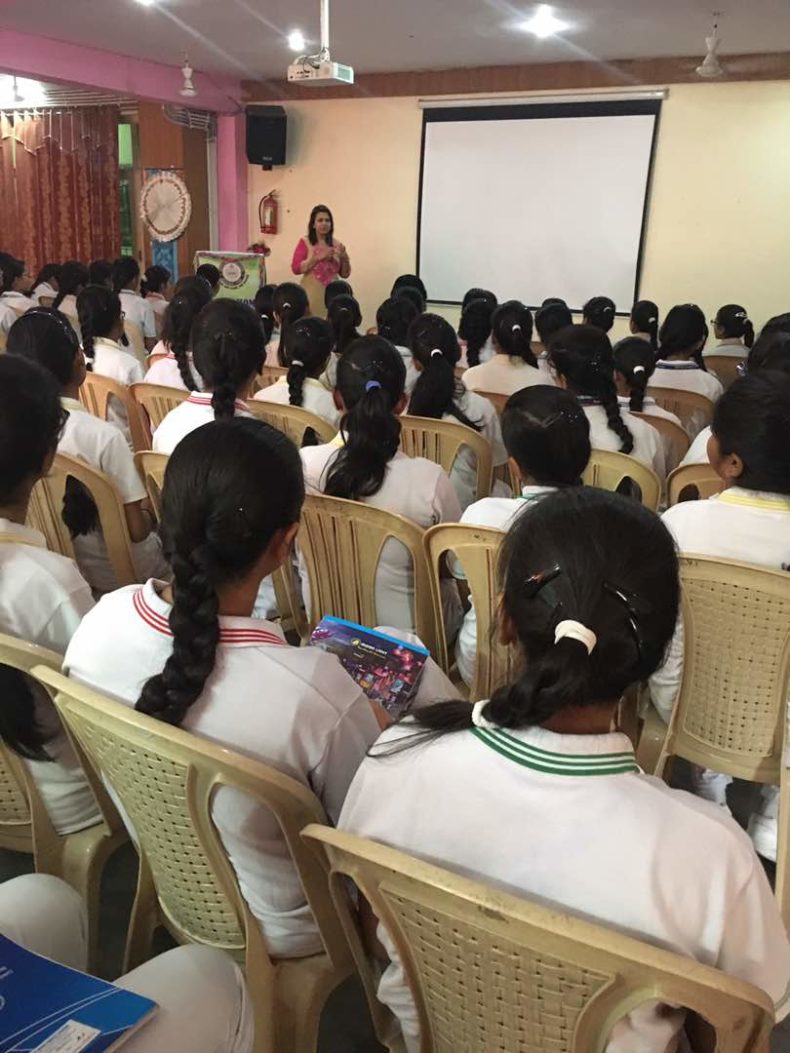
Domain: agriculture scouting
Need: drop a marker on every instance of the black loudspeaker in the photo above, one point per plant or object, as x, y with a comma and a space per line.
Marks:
266, 135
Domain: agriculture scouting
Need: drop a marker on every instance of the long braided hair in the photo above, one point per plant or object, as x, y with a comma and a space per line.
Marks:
477, 311
290, 304
72, 279
308, 345
99, 313
229, 487
228, 349
511, 324
434, 345
177, 323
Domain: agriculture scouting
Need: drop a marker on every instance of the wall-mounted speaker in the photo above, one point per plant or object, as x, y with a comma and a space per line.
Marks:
266, 135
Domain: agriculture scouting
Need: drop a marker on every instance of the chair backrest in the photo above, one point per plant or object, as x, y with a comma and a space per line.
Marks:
611, 470
95, 395
725, 367
492, 971
165, 779
3, 339
477, 551
151, 467
341, 542
268, 375
441, 441
156, 401
134, 335
292, 420
730, 712
46, 508
693, 482
497, 401
693, 409
674, 438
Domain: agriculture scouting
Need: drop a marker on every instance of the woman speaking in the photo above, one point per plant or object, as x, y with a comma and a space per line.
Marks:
320, 258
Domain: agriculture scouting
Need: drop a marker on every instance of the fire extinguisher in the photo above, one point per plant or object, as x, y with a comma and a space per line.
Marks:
267, 213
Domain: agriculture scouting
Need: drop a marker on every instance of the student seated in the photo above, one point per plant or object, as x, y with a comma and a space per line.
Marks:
409, 281
15, 284
513, 365
393, 319
210, 274
227, 347
45, 285
733, 330
308, 347
643, 323
203, 1002
101, 323
547, 437
43, 596
581, 357
474, 327
126, 283
599, 312
157, 289
190, 654
634, 363
289, 304
532, 792
46, 337
338, 287
175, 368
439, 395
680, 362
365, 463
549, 319
749, 521
73, 279
99, 273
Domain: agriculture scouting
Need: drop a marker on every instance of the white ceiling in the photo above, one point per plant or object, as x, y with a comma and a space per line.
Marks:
246, 38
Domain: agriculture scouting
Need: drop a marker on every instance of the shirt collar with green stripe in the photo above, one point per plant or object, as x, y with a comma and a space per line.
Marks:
553, 754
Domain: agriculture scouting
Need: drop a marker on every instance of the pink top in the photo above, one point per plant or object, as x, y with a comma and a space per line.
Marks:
325, 271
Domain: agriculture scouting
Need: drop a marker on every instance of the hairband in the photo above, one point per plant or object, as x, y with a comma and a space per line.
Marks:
478, 720
515, 327
372, 385
264, 315
437, 351
297, 362
638, 369
651, 320
571, 630
286, 304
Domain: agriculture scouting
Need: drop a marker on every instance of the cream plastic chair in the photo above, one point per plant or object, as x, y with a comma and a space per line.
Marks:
694, 411
730, 713
497, 401
134, 335
25, 825
341, 542
95, 395
292, 420
165, 779
3, 339
156, 400
726, 367
151, 467
268, 375
495, 973
608, 470
693, 482
674, 438
477, 550
46, 507
441, 441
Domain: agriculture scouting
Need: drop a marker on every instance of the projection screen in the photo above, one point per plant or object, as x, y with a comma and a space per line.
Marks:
533, 201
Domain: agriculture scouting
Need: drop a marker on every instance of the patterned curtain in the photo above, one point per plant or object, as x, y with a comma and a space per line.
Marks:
66, 185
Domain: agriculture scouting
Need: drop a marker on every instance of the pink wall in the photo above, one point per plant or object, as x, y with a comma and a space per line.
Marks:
232, 171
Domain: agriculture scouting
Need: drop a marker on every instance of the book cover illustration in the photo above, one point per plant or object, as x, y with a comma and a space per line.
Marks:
49, 1008
387, 669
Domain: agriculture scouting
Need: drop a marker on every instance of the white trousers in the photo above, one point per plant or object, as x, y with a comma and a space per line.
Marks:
203, 1002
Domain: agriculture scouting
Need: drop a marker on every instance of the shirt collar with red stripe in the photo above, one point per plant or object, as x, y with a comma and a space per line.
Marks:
234, 631
199, 398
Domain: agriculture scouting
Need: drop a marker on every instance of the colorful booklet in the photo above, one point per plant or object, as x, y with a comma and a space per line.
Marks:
387, 669
49, 1008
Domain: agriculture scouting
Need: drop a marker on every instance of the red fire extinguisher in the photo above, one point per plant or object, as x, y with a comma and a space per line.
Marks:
267, 213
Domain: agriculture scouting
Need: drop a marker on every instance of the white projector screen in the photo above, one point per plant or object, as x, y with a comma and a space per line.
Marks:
535, 201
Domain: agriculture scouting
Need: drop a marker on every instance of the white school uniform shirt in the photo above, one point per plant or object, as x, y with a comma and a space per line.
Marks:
730, 348
698, 451
158, 305
17, 301
7, 317
165, 370
417, 489
504, 375
687, 376
42, 600
101, 445
499, 513
188, 415
745, 525
113, 361
294, 708
650, 408
68, 305
570, 821
648, 447
463, 474
315, 398
43, 291
139, 311
487, 352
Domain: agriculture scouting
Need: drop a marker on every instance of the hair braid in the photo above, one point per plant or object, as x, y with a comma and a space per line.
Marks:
296, 378
85, 318
614, 419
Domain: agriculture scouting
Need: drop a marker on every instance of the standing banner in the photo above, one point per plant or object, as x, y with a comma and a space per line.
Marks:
241, 273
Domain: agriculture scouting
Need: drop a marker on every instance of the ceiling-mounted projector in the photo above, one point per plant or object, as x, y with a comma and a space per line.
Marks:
320, 69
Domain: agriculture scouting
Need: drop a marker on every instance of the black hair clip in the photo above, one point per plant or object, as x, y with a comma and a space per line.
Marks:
536, 582
634, 606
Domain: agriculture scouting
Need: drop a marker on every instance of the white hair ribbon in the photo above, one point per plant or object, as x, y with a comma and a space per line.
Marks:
437, 351
515, 327
572, 630
297, 362
638, 369
478, 719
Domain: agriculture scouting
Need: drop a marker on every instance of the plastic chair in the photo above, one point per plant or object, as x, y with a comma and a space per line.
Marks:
134, 335
165, 779
694, 411
3, 339
46, 508
25, 825
477, 550
95, 395
268, 375
730, 713
341, 542
491, 972
151, 467
609, 470
674, 438
294, 421
693, 482
156, 400
497, 401
441, 441
726, 367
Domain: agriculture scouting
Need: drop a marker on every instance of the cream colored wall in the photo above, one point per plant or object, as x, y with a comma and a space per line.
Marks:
718, 216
